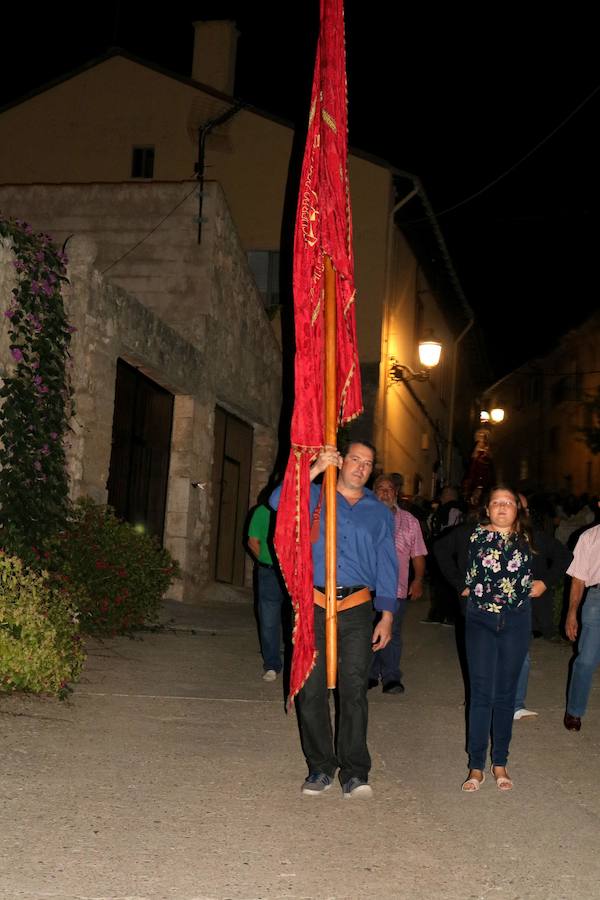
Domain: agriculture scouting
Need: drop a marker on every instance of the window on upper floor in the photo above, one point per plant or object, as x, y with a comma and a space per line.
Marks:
142, 162
264, 265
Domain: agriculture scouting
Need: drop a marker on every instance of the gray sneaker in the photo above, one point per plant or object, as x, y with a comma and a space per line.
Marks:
357, 789
316, 783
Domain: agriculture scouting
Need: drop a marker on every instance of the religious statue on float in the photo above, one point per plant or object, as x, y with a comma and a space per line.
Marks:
480, 475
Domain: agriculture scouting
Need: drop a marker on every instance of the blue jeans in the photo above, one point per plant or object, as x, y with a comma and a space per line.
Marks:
496, 645
588, 655
349, 748
270, 601
386, 662
522, 683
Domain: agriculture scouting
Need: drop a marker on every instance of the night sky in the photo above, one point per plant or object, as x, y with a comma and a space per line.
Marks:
455, 98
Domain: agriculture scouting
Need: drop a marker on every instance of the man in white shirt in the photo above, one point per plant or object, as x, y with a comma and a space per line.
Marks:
585, 572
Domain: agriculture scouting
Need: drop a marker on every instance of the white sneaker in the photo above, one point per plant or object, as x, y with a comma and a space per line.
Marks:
271, 675
524, 714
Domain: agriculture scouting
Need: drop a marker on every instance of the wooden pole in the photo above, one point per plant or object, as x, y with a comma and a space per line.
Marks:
331, 419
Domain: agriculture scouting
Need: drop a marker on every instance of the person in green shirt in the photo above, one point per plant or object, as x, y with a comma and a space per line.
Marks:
271, 595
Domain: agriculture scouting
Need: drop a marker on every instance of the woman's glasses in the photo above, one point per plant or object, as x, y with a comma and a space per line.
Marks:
503, 503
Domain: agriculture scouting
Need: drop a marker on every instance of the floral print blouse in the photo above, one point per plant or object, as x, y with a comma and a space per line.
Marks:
498, 570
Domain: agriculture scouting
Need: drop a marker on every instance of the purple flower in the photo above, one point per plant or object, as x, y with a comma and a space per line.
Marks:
16, 354
53, 435
45, 450
19, 266
43, 389
37, 465
9, 313
35, 287
37, 379
39, 256
35, 364
71, 329
47, 288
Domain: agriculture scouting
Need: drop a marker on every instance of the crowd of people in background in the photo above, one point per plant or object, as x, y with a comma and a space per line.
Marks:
498, 567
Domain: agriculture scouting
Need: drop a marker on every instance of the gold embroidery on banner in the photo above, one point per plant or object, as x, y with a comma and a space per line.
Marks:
311, 114
329, 120
316, 310
309, 210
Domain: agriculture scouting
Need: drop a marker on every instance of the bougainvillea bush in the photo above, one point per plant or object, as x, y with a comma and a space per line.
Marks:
40, 645
120, 573
36, 397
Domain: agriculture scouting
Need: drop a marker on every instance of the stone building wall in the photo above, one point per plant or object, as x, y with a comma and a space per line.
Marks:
196, 326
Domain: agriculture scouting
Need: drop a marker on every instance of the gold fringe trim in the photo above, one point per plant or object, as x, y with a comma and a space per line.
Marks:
346, 388
345, 420
351, 300
290, 700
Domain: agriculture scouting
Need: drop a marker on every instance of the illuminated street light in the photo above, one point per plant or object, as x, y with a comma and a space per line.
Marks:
430, 352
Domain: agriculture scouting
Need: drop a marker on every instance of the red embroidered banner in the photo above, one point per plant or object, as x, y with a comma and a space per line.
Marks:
323, 227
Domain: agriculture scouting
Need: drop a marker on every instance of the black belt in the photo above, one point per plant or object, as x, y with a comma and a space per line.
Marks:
342, 592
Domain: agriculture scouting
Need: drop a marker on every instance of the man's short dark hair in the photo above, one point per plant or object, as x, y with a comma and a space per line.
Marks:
350, 443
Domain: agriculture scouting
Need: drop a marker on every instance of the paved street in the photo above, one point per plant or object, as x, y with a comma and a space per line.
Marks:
174, 772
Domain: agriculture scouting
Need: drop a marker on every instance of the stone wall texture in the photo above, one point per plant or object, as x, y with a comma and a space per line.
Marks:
188, 315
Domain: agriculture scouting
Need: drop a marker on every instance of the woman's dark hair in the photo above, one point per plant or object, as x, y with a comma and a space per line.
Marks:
522, 523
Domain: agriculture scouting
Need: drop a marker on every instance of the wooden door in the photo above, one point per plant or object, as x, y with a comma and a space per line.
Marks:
230, 486
141, 448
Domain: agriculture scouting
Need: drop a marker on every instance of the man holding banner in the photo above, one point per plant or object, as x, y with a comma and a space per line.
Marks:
327, 395
366, 564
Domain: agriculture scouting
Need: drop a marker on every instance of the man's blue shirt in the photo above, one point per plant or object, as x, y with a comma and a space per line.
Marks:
365, 545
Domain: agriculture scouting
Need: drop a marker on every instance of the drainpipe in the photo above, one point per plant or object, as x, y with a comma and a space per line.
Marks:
467, 328
203, 134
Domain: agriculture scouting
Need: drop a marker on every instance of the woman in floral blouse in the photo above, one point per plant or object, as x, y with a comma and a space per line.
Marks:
499, 584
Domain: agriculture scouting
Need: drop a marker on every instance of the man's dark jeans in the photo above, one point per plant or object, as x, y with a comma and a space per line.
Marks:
496, 644
386, 663
350, 753
270, 602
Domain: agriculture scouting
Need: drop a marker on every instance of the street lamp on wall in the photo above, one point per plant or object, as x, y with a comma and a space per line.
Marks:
429, 356
495, 416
